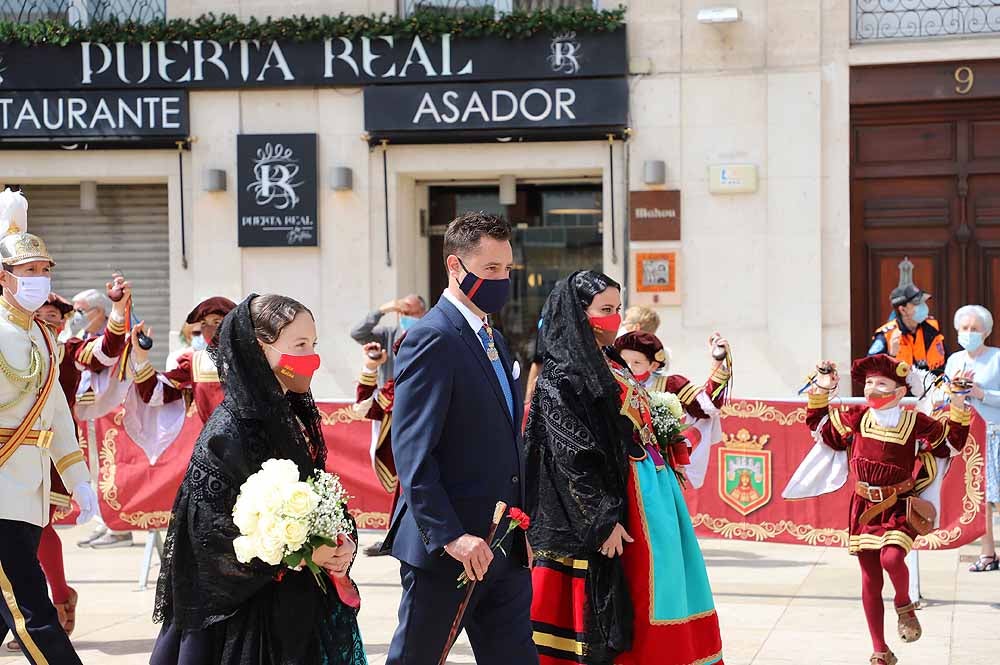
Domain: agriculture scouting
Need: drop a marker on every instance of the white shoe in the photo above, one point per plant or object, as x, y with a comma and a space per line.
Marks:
98, 531
112, 539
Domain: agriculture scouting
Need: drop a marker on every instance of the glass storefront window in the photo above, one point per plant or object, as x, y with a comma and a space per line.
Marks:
557, 229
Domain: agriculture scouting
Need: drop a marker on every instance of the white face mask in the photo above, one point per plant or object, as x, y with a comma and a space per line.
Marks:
32, 292
198, 343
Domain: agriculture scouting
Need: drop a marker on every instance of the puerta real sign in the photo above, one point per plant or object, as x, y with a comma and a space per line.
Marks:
335, 61
277, 197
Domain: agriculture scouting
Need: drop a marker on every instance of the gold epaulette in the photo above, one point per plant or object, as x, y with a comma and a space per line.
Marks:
659, 384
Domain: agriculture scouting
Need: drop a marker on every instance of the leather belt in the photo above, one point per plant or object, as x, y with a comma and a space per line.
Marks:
35, 437
884, 497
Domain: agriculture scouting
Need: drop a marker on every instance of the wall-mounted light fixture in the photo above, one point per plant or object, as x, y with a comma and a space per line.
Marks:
88, 195
341, 179
720, 15
508, 190
654, 172
214, 180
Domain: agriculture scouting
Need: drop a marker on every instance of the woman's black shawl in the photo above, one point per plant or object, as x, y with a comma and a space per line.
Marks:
576, 454
255, 618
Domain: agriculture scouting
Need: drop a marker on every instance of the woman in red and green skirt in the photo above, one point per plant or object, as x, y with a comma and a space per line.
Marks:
619, 578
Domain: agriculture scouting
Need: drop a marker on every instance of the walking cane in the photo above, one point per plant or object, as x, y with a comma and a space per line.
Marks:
498, 514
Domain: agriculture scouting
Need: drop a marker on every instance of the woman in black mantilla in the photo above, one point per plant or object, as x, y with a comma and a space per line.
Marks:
214, 609
619, 576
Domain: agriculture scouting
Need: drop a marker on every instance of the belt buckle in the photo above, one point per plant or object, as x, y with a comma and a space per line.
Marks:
871, 495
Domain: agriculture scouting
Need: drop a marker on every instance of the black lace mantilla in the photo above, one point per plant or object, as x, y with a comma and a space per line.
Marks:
254, 618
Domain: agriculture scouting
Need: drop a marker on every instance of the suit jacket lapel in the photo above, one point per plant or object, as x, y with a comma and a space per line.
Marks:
475, 345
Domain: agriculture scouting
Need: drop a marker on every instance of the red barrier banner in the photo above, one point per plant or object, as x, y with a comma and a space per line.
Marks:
763, 444
135, 495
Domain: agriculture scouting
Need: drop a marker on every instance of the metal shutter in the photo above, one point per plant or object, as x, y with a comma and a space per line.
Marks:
128, 231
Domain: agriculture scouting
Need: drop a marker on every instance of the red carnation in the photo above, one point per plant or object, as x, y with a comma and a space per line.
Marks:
521, 517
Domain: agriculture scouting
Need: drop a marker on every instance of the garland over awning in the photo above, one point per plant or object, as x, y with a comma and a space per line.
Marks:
227, 28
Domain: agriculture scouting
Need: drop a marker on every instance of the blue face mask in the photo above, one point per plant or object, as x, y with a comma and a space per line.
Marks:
407, 322
198, 343
970, 341
921, 313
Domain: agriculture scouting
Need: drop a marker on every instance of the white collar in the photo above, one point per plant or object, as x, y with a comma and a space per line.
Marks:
887, 418
474, 321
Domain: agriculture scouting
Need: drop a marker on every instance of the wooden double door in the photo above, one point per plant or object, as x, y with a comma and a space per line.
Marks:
925, 184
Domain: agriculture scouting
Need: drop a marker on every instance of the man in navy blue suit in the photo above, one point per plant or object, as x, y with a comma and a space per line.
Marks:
457, 445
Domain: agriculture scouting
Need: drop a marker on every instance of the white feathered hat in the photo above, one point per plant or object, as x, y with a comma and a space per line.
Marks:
17, 246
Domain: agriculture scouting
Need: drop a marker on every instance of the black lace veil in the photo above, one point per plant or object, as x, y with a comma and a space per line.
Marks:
568, 339
201, 582
253, 392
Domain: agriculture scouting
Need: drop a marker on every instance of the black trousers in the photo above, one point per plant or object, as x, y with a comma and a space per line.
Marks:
25, 605
497, 621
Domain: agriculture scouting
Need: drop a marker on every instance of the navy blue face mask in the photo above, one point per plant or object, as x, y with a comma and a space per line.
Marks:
489, 295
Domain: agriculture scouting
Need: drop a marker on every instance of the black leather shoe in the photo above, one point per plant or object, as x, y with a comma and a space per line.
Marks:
375, 550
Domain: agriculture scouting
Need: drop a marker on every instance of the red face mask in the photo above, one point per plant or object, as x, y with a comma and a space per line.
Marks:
610, 323
297, 371
641, 378
880, 400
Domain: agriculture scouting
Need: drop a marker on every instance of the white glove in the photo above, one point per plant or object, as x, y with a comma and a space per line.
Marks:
86, 498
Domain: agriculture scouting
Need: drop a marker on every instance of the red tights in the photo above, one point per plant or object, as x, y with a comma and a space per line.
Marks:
891, 559
50, 555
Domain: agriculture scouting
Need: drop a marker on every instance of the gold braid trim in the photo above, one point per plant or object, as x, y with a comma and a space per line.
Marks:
820, 400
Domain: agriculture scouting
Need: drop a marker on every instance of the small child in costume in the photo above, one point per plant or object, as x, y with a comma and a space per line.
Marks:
895, 455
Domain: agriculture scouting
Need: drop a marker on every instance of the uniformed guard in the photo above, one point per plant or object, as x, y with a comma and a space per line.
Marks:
912, 335
36, 430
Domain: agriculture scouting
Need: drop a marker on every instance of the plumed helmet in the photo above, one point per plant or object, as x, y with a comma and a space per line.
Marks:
17, 246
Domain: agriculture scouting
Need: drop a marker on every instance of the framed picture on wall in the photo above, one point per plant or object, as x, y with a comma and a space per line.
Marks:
656, 272
657, 276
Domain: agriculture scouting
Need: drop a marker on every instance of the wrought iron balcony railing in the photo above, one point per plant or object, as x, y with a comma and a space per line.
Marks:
408, 7
82, 12
886, 20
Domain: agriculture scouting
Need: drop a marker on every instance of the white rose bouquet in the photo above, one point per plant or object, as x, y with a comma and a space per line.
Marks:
668, 417
283, 520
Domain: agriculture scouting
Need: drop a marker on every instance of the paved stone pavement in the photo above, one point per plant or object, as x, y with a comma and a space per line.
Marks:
778, 604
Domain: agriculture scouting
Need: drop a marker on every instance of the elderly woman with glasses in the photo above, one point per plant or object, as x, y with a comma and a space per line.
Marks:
974, 323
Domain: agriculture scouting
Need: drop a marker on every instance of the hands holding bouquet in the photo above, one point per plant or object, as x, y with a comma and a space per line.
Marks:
284, 520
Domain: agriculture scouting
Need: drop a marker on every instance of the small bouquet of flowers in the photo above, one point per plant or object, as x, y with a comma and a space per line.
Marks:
668, 417
283, 520
518, 519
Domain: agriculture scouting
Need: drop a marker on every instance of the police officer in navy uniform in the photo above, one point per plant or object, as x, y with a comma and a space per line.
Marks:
912, 335
36, 432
